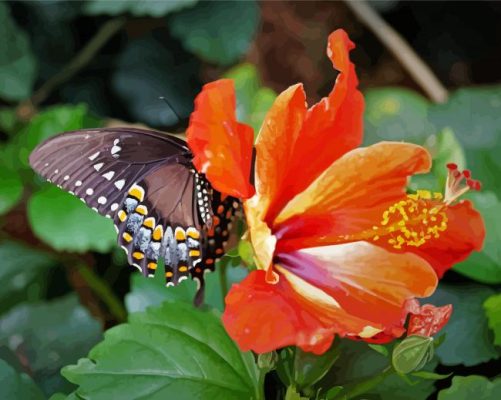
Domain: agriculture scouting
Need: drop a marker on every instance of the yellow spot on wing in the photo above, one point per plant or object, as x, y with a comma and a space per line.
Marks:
138, 255
193, 233
149, 222
183, 268
168, 274
152, 265
158, 233
137, 192
122, 215
127, 237
141, 209
194, 253
180, 235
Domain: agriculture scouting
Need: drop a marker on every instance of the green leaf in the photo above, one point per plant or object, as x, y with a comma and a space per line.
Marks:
65, 223
474, 116
430, 375
492, 308
253, 100
11, 188
50, 122
358, 362
310, 368
22, 274
150, 8
396, 114
150, 292
217, 32
412, 354
174, 351
16, 386
485, 266
8, 120
472, 387
380, 349
469, 341
17, 62
148, 69
47, 336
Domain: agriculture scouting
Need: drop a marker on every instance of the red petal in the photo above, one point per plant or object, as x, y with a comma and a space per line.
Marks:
330, 128
465, 233
222, 146
264, 317
350, 196
428, 320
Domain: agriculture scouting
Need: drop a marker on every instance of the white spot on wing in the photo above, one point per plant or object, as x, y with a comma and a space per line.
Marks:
114, 206
102, 200
97, 167
94, 156
109, 175
120, 184
78, 183
115, 149
66, 177
89, 191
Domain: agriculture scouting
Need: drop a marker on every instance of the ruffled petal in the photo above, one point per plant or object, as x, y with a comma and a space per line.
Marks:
304, 143
274, 148
222, 147
367, 281
350, 196
465, 233
428, 320
263, 317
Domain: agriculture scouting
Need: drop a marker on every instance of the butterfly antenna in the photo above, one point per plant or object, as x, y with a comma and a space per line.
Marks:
170, 106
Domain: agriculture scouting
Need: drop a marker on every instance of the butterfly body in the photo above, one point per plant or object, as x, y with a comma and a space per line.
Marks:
145, 181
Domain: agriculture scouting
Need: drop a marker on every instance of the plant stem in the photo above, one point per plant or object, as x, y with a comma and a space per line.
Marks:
223, 280
364, 386
104, 292
400, 49
260, 384
103, 35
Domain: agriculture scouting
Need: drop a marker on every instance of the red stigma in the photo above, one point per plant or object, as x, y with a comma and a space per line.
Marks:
467, 173
452, 166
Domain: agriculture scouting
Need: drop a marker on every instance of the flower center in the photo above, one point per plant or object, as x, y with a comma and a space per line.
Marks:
422, 216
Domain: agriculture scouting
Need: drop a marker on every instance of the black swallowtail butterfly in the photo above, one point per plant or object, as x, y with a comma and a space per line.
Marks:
146, 182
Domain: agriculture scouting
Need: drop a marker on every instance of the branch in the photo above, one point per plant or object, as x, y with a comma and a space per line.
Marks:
27, 108
400, 49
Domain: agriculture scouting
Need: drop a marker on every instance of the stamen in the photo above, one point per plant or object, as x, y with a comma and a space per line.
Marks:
458, 183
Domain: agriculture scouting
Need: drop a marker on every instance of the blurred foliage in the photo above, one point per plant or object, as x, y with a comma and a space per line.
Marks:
62, 280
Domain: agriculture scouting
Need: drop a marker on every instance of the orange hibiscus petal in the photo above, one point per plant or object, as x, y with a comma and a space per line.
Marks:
264, 317
350, 196
222, 146
274, 147
367, 281
307, 142
465, 233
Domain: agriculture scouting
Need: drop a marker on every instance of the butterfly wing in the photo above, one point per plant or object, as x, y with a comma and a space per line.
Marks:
100, 165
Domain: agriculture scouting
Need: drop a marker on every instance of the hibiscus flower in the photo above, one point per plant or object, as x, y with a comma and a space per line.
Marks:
340, 247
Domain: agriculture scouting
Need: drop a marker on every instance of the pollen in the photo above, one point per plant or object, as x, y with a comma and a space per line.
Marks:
413, 221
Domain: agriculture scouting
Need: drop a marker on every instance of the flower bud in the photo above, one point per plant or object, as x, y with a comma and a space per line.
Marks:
412, 354
267, 361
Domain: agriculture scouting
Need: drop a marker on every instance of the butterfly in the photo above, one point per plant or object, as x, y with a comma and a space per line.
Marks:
146, 182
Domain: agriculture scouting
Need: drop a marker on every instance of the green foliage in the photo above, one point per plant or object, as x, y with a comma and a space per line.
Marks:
47, 336
62, 221
309, 368
396, 114
17, 385
147, 70
151, 8
218, 32
485, 266
472, 387
17, 62
412, 354
253, 100
151, 292
48, 123
22, 274
469, 340
11, 188
173, 351
493, 311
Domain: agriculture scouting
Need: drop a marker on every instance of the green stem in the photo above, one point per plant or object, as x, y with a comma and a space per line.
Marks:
223, 280
351, 391
260, 384
103, 290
